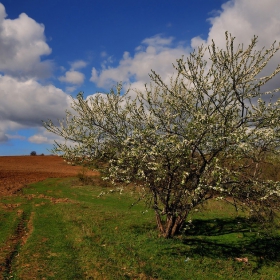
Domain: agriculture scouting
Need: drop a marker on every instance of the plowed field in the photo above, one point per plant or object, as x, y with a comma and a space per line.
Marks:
18, 171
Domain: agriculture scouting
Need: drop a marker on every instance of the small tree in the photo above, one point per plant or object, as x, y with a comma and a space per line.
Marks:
204, 135
33, 153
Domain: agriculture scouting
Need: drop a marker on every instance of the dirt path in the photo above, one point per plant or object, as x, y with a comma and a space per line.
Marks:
18, 171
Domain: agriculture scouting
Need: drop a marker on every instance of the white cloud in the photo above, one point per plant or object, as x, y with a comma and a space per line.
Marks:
22, 43
42, 136
242, 18
78, 64
154, 53
26, 103
158, 41
73, 77
94, 75
38, 139
71, 89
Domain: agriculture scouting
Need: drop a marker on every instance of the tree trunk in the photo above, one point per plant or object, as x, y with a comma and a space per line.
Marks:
159, 223
171, 226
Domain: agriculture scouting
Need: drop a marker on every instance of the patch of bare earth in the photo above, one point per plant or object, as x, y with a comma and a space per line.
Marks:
19, 171
11, 247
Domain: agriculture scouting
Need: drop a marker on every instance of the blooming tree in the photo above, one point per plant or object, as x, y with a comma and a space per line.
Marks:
208, 133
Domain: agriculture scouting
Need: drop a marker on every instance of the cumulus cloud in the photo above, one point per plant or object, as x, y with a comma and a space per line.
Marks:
24, 100
73, 77
26, 103
70, 89
22, 43
78, 64
242, 18
43, 136
38, 139
154, 53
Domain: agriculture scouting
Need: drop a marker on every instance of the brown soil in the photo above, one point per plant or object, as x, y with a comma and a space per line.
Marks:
18, 171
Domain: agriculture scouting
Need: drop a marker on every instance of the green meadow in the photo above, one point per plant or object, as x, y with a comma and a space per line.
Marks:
62, 229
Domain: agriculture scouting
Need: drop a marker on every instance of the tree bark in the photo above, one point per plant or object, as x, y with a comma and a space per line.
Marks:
170, 220
171, 226
159, 223
178, 224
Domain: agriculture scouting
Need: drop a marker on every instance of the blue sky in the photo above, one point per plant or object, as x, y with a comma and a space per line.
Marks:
52, 49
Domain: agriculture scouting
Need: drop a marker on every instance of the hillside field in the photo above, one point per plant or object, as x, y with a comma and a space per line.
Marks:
19, 171
62, 228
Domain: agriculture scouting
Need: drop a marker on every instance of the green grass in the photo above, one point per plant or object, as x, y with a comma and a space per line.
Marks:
69, 232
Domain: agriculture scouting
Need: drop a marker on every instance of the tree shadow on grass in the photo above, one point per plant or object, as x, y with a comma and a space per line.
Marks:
231, 238
227, 238
216, 227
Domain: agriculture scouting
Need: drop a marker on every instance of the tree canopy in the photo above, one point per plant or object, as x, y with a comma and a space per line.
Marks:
209, 132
